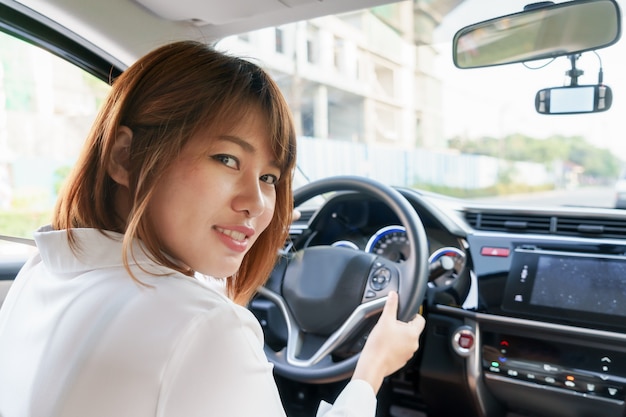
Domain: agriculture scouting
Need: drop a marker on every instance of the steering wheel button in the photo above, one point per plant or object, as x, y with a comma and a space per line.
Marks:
380, 279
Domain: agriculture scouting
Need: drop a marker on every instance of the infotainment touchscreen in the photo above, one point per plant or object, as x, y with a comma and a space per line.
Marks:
591, 288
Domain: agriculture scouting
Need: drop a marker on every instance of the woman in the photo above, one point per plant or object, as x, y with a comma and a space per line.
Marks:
186, 175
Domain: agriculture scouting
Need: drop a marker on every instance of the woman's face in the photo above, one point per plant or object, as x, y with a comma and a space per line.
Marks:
217, 197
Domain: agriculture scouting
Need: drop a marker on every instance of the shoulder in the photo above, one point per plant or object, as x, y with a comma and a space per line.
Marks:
186, 303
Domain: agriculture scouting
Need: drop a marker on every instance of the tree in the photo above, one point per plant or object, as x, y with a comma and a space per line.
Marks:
596, 162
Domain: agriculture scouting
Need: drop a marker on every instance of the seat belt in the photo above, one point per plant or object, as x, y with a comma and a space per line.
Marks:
23, 241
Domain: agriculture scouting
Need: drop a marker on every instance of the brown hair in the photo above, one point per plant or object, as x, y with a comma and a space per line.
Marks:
164, 98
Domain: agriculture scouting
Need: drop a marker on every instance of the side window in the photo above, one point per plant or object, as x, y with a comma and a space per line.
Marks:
47, 106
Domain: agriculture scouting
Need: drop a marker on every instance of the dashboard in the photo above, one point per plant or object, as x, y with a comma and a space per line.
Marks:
363, 223
526, 308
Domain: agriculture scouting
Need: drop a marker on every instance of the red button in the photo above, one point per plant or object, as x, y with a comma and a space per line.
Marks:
493, 251
466, 341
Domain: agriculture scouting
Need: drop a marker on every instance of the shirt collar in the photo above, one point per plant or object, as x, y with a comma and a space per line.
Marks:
94, 249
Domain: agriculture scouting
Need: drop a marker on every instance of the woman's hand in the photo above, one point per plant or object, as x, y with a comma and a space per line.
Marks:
389, 346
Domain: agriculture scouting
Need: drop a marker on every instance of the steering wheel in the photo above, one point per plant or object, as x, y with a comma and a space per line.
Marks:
328, 296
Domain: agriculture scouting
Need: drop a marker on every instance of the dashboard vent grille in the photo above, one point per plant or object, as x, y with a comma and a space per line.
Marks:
545, 224
305, 216
510, 223
591, 227
296, 230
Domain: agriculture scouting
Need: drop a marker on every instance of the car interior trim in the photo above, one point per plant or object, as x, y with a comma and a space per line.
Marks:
23, 23
532, 324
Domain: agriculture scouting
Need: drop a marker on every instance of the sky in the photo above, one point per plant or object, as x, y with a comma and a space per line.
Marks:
500, 100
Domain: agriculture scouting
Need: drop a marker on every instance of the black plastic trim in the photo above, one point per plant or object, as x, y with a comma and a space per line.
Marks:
42, 34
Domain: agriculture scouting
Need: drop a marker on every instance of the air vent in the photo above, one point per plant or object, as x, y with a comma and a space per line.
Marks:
510, 223
606, 228
546, 224
297, 228
305, 216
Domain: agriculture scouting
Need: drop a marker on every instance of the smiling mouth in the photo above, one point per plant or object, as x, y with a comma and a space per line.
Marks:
233, 234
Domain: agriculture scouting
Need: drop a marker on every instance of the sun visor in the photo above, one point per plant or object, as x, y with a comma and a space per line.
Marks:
217, 12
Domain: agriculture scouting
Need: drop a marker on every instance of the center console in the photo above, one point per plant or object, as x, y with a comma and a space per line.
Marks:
582, 288
594, 371
549, 332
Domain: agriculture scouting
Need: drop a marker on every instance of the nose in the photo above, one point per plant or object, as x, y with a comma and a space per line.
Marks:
250, 198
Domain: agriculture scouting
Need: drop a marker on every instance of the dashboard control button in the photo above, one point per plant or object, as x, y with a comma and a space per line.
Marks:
464, 340
495, 251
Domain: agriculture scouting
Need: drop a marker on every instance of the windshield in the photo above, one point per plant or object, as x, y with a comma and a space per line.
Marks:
377, 94
374, 93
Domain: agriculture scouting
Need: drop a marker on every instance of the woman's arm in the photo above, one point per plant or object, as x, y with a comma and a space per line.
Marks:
219, 369
389, 346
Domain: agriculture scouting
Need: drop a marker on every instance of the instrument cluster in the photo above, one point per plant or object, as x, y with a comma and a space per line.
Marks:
391, 242
370, 226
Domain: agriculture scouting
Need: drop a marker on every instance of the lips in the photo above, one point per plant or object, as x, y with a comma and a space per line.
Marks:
233, 234
235, 238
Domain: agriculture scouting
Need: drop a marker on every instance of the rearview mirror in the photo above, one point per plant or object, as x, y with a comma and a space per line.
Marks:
540, 31
574, 99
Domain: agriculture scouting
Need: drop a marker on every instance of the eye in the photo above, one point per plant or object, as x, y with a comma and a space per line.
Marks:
269, 179
228, 160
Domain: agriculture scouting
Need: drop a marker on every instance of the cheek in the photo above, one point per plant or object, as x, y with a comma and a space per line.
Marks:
169, 204
270, 207
159, 211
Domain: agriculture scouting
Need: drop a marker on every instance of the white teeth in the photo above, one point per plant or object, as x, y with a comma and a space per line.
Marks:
233, 234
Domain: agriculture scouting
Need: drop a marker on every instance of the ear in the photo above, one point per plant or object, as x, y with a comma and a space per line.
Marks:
119, 160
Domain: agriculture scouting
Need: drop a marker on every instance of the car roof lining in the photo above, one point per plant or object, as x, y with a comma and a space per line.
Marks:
127, 29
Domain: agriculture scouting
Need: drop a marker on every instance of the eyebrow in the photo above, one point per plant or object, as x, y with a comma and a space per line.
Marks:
246, 146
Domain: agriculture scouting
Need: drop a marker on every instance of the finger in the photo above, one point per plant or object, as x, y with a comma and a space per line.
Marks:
390, 311
419, 322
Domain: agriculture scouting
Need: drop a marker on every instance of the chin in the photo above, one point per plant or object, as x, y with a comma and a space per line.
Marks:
221, 273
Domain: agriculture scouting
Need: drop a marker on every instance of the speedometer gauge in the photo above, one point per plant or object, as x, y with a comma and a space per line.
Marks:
390, 242
345, 244
446, 265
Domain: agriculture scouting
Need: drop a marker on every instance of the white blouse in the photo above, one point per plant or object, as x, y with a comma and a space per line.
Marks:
78, 337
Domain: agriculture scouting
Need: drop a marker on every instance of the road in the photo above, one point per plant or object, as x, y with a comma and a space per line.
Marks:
584, 196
